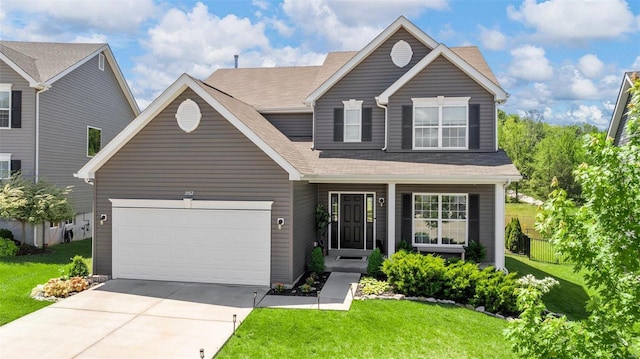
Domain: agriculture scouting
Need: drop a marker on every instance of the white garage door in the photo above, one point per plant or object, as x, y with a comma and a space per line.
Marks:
192, 241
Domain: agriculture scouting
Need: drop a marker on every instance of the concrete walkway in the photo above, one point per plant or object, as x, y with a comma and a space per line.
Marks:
337, 294
132, 319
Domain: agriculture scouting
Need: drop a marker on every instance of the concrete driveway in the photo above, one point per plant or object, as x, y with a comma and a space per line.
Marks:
132, 319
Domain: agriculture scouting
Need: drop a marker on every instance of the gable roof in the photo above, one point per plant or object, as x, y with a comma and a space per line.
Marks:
453, 57
401, 22
623, 98
43, 63
241, 115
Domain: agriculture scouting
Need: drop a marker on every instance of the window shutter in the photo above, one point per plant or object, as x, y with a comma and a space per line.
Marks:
407, 127
367, 119
406, 231
474, 217
474, 126
338, 124
16, 109
16, 165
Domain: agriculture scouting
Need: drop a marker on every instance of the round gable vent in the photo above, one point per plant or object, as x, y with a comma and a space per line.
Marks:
188, 115
401, 53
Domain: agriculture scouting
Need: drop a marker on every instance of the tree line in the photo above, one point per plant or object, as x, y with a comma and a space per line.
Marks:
542, 151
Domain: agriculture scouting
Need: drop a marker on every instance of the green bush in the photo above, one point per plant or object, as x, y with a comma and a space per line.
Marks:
475, 252
374, 267
6, 234
496, 291
414, 274
515, 240
7, 248
404, 246
78, 268
316, 264
370, 285
460, 281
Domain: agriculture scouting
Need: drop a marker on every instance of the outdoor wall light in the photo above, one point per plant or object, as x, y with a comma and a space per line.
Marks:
280, 222
103, 218
381, 201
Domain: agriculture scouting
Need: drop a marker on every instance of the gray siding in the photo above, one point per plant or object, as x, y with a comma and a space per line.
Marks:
487, 208
304, 224
380, 212
442, 78
622, 137
20, 142
85, 97
215, 161
292, 124
365, 82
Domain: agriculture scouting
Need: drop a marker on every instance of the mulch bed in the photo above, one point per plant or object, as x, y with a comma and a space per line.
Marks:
297, 292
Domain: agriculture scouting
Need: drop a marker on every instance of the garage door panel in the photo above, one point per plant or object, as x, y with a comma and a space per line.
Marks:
197, 245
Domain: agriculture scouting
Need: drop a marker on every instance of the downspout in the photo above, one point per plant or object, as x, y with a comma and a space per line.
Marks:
386, 134
41, 88
313, 124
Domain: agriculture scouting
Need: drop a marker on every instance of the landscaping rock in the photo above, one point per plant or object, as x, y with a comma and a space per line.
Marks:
470, 307
480, 309
432, 300
500, 316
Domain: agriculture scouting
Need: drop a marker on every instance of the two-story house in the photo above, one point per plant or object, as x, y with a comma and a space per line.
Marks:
618, 124
219, 180
60, 104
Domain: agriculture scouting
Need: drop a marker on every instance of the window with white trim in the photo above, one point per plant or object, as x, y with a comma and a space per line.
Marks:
101, 62
94, 141
440, 219
5, 105
5, 165
352, 121
441, 123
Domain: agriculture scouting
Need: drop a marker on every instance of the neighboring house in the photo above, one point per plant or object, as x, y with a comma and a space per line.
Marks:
218, 180
617, 127
59, 104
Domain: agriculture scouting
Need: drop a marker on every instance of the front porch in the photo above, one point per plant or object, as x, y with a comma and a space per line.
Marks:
347, 260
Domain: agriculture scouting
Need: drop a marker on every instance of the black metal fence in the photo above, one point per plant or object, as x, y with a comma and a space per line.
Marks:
542, 250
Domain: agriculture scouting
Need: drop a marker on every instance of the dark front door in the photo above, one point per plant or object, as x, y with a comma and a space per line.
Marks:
352, 221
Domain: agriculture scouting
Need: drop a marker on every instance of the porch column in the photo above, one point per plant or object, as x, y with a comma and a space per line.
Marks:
391, 218
499, 226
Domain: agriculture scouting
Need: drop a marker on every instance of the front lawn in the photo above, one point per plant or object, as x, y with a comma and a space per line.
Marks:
371, 329
569, 298
19, 275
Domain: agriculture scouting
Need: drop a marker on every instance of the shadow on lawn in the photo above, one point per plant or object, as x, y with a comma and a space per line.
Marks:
568, 298
58, 254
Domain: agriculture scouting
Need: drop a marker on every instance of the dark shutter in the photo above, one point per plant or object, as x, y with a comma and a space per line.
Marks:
16, 165
406, 231
338, 125
407, 127
474, 126
16, 109
474, 217
366, 123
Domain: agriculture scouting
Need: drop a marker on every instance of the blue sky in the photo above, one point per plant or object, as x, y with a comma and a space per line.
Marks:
561, 58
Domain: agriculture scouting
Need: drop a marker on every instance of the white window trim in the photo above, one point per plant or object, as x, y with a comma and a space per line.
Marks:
440, 102
439, 244
101, 62
350, 106
87, 145
7, 88
6, 157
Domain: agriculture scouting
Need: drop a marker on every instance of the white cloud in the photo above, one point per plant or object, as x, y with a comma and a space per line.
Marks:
530, 64
92, 39
636, 64
587, 114
264, 5
571, 20
590, 66
584, 89
492, 39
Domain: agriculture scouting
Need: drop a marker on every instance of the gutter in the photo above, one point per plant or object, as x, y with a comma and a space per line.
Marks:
312, 104
386, 132
41, 87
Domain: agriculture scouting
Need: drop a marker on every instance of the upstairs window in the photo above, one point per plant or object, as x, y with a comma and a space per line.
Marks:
352, 121
440, 123
5, 106
94, 141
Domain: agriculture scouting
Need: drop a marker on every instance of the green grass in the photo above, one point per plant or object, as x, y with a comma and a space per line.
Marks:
371, 329
19, 275
569, 298
526, 213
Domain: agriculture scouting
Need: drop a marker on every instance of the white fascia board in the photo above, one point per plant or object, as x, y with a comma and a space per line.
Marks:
620, 108
195, 204
414, 179
285, 110
116, 70
497, 91
367, 50
32, 82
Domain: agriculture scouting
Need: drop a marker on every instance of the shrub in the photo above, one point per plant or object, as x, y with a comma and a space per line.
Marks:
78, 268
77, 284
374, 267
475, 251
7, 248
6, 234
310, 281
415, 274
316, 264
496, 291
305, 288
370, 286
460, 281
56, 287
515, 240
404, 246
278, 288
